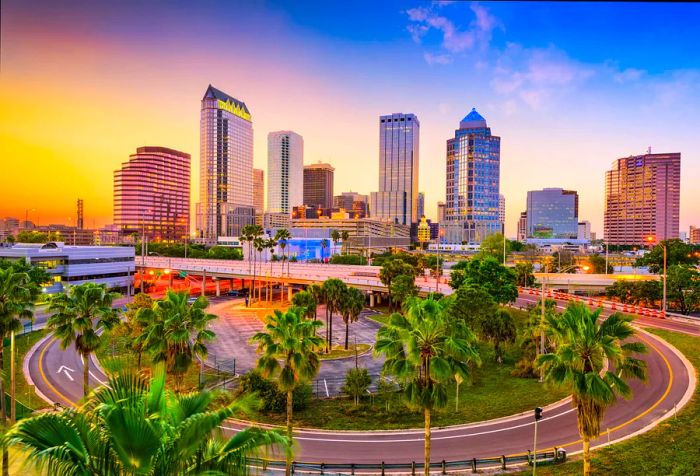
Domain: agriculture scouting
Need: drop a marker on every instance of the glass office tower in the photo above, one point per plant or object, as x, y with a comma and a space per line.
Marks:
397, 198
473, 178
226, 166
285, 171
552, 213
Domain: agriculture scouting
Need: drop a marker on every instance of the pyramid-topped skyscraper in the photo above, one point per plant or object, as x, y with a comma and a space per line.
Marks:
473, 182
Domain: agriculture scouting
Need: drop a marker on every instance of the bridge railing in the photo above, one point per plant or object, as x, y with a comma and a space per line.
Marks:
597, 302
555, 455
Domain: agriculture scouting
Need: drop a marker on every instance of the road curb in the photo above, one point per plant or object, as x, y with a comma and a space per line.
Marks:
25, 368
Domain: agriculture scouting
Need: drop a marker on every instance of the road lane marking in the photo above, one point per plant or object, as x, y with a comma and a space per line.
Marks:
43, 375
67, 371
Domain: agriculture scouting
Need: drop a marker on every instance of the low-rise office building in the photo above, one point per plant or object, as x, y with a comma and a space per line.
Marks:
71, 265
363, 233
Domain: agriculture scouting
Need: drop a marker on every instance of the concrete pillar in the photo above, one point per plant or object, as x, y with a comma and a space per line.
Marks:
289, 293
371, 299
204, 282
218, 287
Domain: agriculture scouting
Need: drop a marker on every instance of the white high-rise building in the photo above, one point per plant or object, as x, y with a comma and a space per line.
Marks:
285, 171
502, 211
226, 166
397, 198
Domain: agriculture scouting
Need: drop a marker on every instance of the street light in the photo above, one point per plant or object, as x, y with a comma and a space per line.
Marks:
651, 240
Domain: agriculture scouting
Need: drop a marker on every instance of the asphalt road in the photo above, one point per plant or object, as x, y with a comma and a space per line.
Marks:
669, 382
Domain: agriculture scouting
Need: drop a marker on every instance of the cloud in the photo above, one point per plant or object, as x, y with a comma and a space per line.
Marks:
454, 39
536, 75
431, 58
628, 75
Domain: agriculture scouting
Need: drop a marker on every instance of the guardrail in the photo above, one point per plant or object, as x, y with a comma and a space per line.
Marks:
597, 302
556, 455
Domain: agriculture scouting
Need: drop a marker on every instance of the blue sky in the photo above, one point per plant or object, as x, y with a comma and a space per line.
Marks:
568, 86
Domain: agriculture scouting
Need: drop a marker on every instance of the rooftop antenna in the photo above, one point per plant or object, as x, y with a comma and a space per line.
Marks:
649, 150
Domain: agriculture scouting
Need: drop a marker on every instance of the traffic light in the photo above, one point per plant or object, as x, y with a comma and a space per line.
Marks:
538, 413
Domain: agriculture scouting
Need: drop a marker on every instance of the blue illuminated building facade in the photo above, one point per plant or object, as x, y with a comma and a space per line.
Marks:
552, 213
473, 181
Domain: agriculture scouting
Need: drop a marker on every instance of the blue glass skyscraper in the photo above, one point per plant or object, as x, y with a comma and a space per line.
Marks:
473, 182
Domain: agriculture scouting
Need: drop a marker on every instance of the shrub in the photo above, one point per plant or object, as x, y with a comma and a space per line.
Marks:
357, 381
271, 398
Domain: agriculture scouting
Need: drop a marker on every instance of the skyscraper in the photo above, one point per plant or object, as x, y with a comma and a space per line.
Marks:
352, 202
285, 171
80, 222
318, 185
502, 211
259, 194
642, 199
473, 176
420, 211
552, 213
441, 212
226, 166
522, 226
152, 194
397, 198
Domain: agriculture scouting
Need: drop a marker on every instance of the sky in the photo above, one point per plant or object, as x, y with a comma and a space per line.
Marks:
569, 87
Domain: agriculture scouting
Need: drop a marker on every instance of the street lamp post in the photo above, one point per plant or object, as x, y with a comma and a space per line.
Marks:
606, 258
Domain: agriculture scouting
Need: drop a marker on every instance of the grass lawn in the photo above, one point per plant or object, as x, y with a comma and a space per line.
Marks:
339, 351
494, 393
669, 449
25, 394
114, 356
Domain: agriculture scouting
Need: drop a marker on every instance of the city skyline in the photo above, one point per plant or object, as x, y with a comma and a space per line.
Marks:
528, 92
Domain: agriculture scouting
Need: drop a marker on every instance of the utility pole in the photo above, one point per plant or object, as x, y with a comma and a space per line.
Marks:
606, 257
663, 304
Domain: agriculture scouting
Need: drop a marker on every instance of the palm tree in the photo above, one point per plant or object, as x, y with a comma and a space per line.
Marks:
259, 246
345, 236
306, 301
351, 305
79, 317
319, 294
17, 294
292, 339
132, 426
176, 332
335, 236
426, 350
582, 347
283, 236
334, 291
324, 245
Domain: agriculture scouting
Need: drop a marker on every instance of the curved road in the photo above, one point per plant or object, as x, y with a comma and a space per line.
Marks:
670, 385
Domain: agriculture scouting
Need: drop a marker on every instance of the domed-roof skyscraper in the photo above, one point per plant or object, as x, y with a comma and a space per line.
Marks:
473, 182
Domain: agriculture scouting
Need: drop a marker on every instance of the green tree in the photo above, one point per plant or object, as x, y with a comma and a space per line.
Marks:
324, 245
495, 278
319, 294
393, 268
492, 246
683, 284
357, 381
529, 339
334, 291
27, 236
350, 307
306, 301
677, 252
345, 236
471, 304
402, 288
176, 332
17, 295
134, 427
597, 264
335, 236
583, 346
524, 274
132, 327
291, 339
499, 329
424, 350
79, 317
283, 236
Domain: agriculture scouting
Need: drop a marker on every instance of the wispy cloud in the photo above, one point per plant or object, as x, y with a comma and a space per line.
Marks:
431, 58
454, 38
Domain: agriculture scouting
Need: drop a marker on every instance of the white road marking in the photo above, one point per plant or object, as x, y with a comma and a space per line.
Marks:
66, 371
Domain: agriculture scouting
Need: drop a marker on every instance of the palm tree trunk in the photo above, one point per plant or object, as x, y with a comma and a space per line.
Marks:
3, 412
13, 402
330, 331
586, 456
86, 374
426, 470
347, 328
290, 408
327, 338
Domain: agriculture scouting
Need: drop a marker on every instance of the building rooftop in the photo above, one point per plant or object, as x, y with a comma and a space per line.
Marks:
473, 120
213, 93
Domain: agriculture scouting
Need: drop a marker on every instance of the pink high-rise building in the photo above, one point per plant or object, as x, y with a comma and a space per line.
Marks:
152, 194
642, 199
